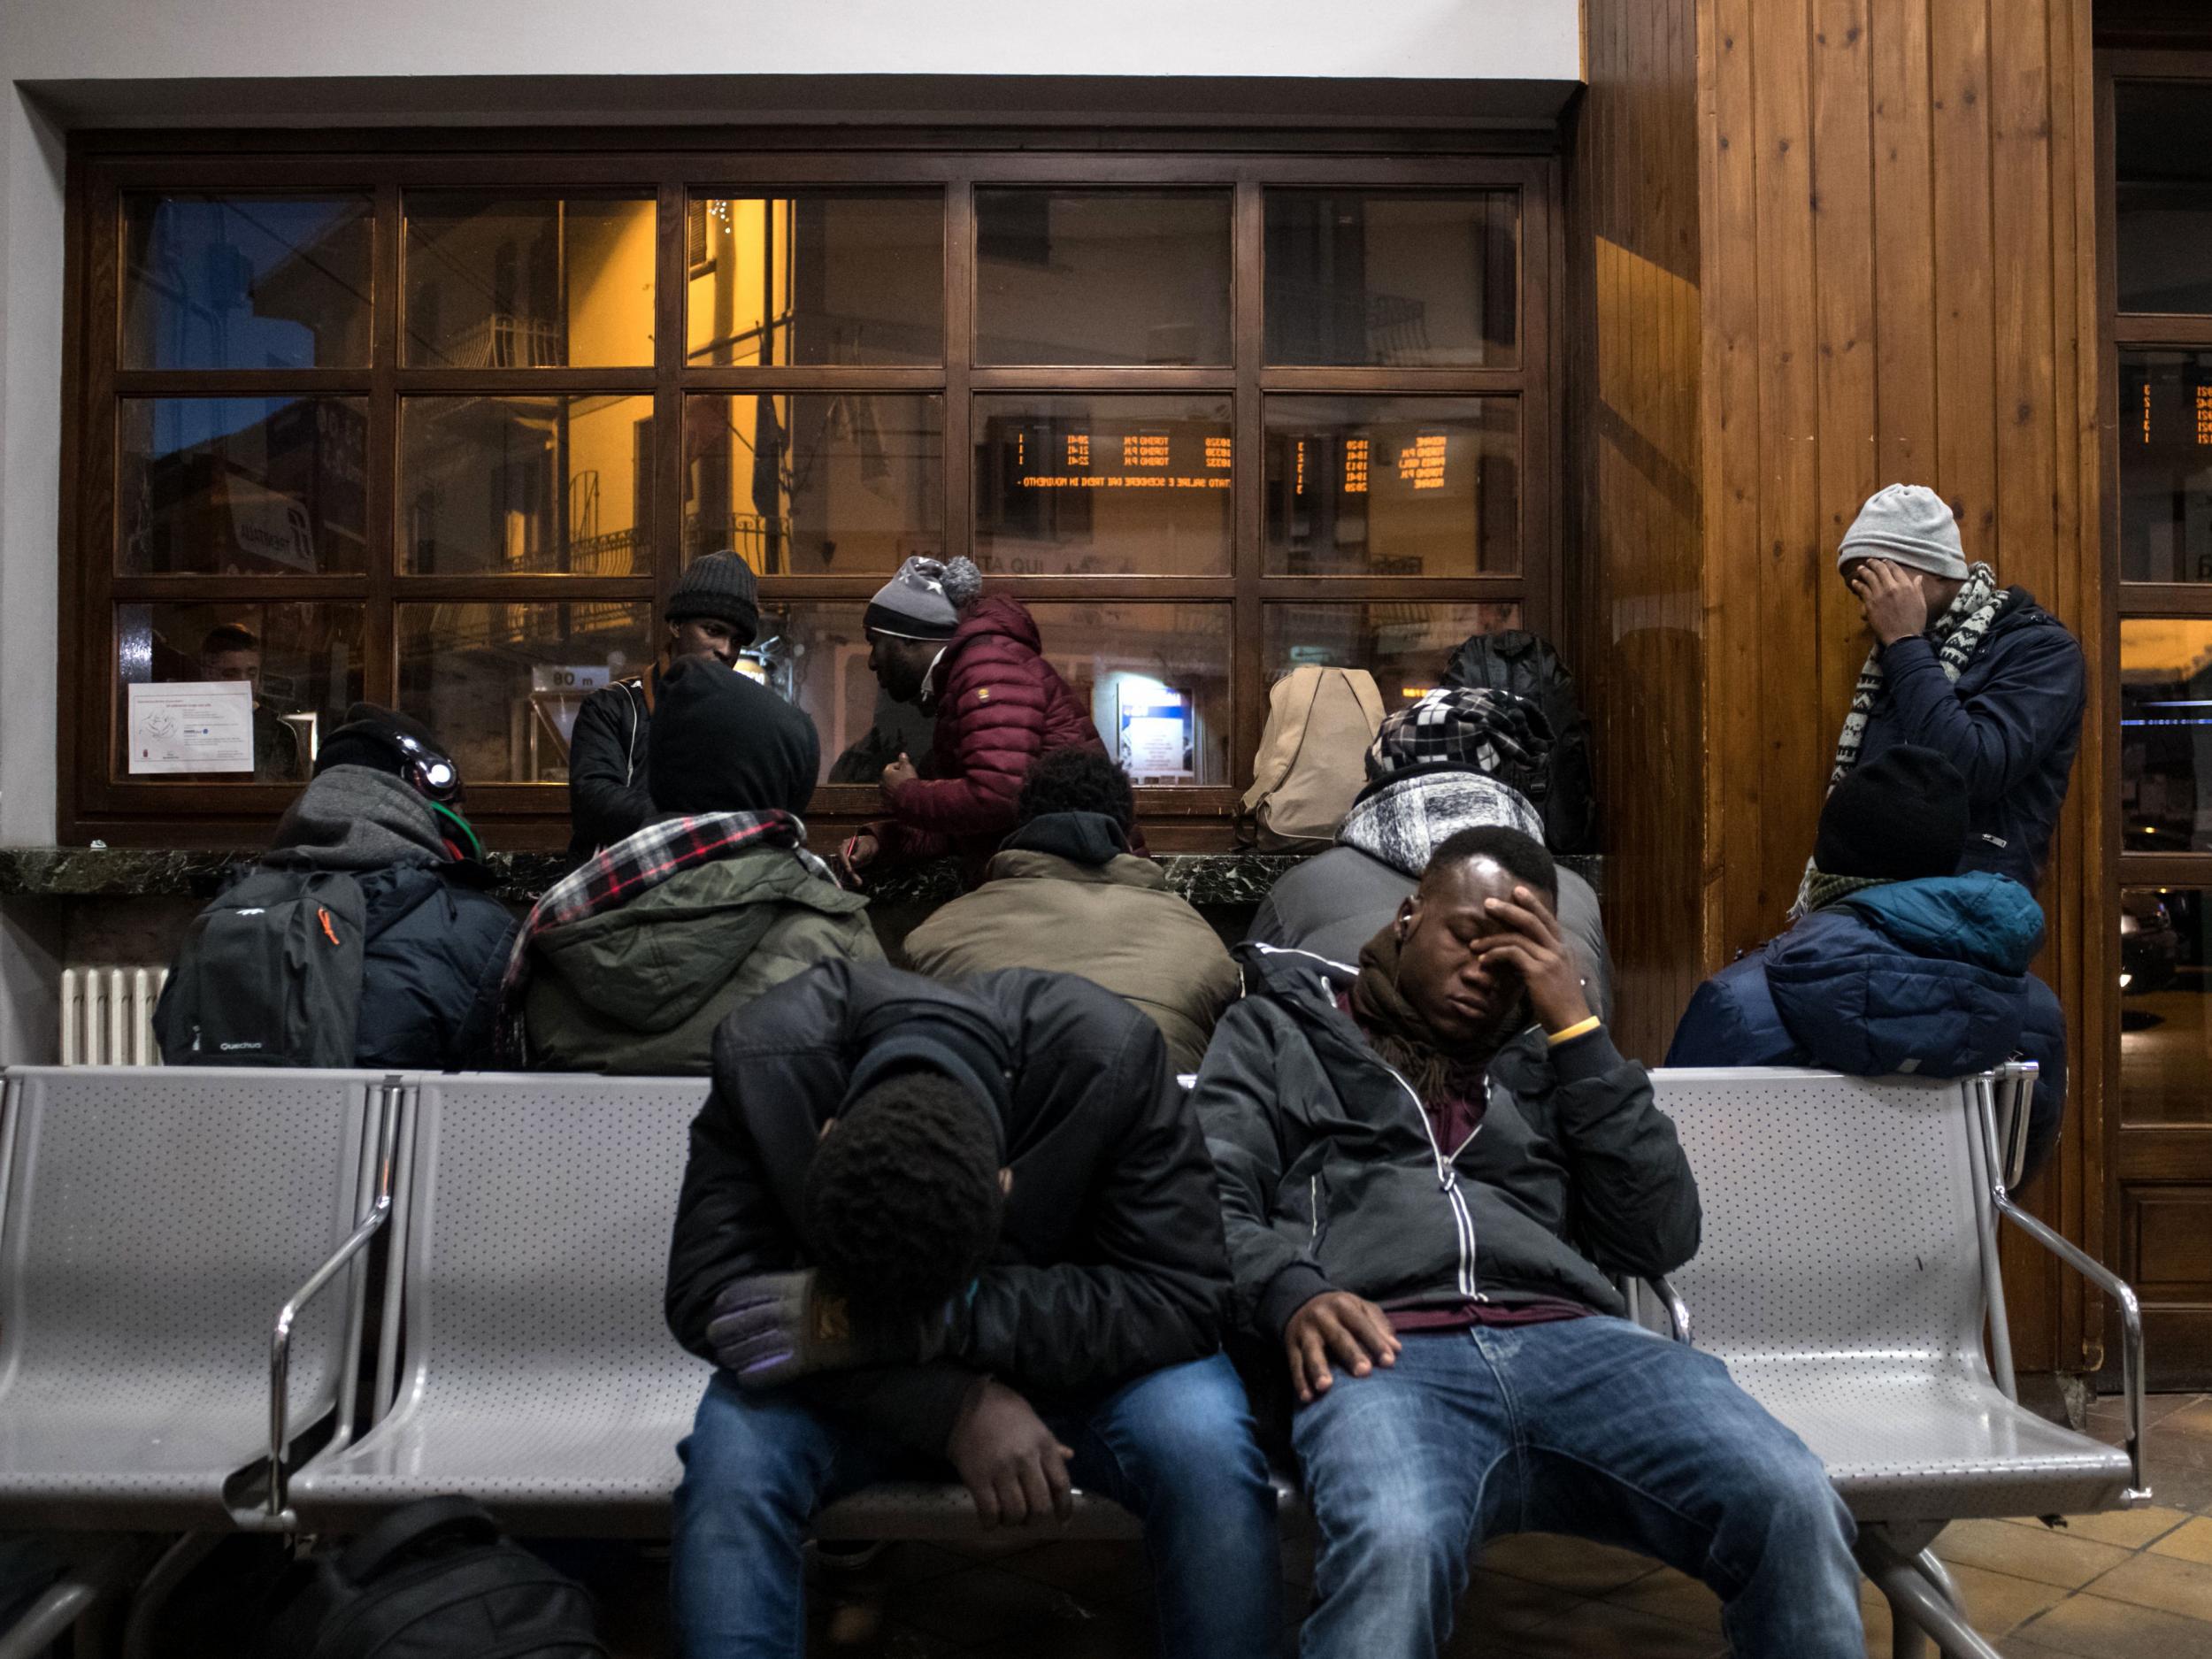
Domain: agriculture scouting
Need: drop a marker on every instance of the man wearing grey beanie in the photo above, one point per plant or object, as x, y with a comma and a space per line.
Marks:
1982, 674
714, 613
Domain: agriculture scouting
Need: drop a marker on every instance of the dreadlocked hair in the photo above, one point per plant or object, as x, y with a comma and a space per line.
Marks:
900, 1206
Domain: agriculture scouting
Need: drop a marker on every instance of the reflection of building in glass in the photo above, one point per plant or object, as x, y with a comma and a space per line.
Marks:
245, 282
243, 486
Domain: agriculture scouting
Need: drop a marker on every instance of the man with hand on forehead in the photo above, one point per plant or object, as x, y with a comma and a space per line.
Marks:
1981, 674
1428, 1170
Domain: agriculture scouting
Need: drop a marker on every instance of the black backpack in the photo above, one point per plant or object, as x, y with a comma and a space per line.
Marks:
436, 1580
1517, 661
270, 974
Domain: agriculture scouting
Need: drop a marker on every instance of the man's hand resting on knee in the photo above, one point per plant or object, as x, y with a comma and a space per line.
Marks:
774, 1328
1012, 1464
1336, 1323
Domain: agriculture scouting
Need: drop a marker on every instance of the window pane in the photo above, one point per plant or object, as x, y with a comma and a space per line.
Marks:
497, 282
816, 656
817, 278
1101, 276
245, 282
256, 486
1403, 279
1404, 646
304, 662
2166, 735
2165, 466
815, 483
1105, 485
1392, 486
500, 684
2163, 195
535, 484
2165, 1005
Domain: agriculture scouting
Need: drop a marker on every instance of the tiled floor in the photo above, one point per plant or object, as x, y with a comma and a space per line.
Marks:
2132, 1586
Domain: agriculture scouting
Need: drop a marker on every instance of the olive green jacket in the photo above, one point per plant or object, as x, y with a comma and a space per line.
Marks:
1116, 923
639, 990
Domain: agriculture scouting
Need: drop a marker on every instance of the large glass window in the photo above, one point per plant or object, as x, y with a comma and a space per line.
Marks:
443, 429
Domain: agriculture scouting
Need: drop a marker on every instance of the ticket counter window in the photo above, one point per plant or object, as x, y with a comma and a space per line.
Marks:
1406, 647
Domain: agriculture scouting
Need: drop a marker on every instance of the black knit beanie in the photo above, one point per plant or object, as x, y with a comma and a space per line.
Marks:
1900, 817
722, 586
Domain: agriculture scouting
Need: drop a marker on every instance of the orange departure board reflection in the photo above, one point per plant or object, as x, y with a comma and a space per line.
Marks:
1109, 457
1355, 466
1217, 453
1421, 462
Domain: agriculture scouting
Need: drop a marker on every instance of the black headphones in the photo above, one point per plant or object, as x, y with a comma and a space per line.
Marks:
428, 772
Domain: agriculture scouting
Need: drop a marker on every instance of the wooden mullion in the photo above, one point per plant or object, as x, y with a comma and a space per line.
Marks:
1128, 589
266, 590
1080, 378
244, 382
2164, 599
2164, 870
2175, 330
525, 383
380, 631
671, 295
959, 466
1431, 590
823, 378
1248, 671
1362, 378
1537, 475
496, 587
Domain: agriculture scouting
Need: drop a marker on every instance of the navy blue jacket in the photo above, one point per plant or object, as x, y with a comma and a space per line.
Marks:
1924, 977
2010, 723
431, 970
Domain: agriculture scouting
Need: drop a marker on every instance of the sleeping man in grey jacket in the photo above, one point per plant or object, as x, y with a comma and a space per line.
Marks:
1429, 1166
1457, 759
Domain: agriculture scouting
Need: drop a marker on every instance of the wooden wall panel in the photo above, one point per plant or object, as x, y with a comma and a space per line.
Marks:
1633, 249
1895, 222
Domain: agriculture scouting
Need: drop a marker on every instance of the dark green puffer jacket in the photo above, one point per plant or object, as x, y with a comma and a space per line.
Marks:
638, 991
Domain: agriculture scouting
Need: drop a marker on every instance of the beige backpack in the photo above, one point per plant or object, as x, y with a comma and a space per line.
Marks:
1313, 756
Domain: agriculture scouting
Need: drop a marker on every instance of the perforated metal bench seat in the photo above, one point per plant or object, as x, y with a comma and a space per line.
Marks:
1929, 1449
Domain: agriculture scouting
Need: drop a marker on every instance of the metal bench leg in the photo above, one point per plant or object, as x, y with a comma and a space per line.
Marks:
153, 1593
1916, 1602
65, 1602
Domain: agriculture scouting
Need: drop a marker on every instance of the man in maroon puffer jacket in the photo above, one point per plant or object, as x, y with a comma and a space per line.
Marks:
978, 665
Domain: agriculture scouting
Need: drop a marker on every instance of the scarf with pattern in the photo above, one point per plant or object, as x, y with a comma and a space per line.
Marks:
1402, 1038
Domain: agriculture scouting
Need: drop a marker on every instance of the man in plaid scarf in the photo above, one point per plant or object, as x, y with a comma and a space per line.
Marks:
629, 963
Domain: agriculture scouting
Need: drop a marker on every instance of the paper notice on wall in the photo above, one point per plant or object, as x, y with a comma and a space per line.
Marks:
191, 725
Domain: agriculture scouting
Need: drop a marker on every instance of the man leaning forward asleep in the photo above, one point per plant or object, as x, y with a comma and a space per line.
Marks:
1428, 1166
927, 1225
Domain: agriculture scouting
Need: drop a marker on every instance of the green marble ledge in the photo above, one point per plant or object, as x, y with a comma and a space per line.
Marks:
1209, 880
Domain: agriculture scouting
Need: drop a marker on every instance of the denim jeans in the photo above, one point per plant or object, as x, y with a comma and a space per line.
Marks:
1593, 1427
1175, 1446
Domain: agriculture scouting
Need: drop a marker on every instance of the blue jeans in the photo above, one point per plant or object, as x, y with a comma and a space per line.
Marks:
1175, 1446
1593, 1427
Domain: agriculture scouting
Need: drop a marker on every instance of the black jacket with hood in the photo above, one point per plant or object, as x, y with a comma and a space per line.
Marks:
1110, 1262
1330, 1178
437, 941
608, 799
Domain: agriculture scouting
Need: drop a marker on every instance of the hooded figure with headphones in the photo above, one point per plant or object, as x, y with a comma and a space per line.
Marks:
384, 808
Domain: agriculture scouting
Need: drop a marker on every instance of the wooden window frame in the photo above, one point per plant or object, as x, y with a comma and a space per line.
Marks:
672, 168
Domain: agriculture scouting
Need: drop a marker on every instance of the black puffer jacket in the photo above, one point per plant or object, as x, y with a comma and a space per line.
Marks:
437, 940
1110, 1262
1331, 1179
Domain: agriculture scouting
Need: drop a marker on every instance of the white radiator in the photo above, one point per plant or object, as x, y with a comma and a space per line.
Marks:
107, 1016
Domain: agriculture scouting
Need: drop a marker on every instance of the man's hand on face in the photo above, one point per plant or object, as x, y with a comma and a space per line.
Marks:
1012, 1465
1336, 1324
1530, 943
1895, 607
899, 772
770, 1329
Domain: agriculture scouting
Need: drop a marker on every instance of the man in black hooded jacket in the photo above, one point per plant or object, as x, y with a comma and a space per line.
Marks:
925, 1224
1428, 1172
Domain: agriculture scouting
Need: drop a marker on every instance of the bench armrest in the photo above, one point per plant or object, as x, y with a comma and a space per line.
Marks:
280, 1349
1671, 1299
2130, 1327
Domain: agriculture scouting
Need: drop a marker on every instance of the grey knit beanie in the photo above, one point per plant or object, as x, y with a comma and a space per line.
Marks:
924, 600
1909, 525
722, 586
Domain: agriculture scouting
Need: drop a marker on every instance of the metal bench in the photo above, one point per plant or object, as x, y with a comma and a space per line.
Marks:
1847, 1275
151, 1221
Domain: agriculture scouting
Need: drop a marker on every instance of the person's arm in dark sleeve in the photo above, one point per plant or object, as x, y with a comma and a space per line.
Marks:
606, 803
1635, 1201
1001, 731
1238, 1107
1156, 1291
2031, 703
728, 1226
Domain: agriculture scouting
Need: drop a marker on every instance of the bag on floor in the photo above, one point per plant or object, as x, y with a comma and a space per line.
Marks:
436, 1580
1517, 661
270, 974
1313, 756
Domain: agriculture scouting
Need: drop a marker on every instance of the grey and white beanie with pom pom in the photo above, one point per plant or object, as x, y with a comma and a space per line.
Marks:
925, 599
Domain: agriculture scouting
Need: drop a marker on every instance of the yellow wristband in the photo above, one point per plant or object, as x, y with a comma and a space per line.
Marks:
1581, 1027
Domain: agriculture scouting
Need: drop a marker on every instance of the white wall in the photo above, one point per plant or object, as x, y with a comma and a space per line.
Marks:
42, 40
